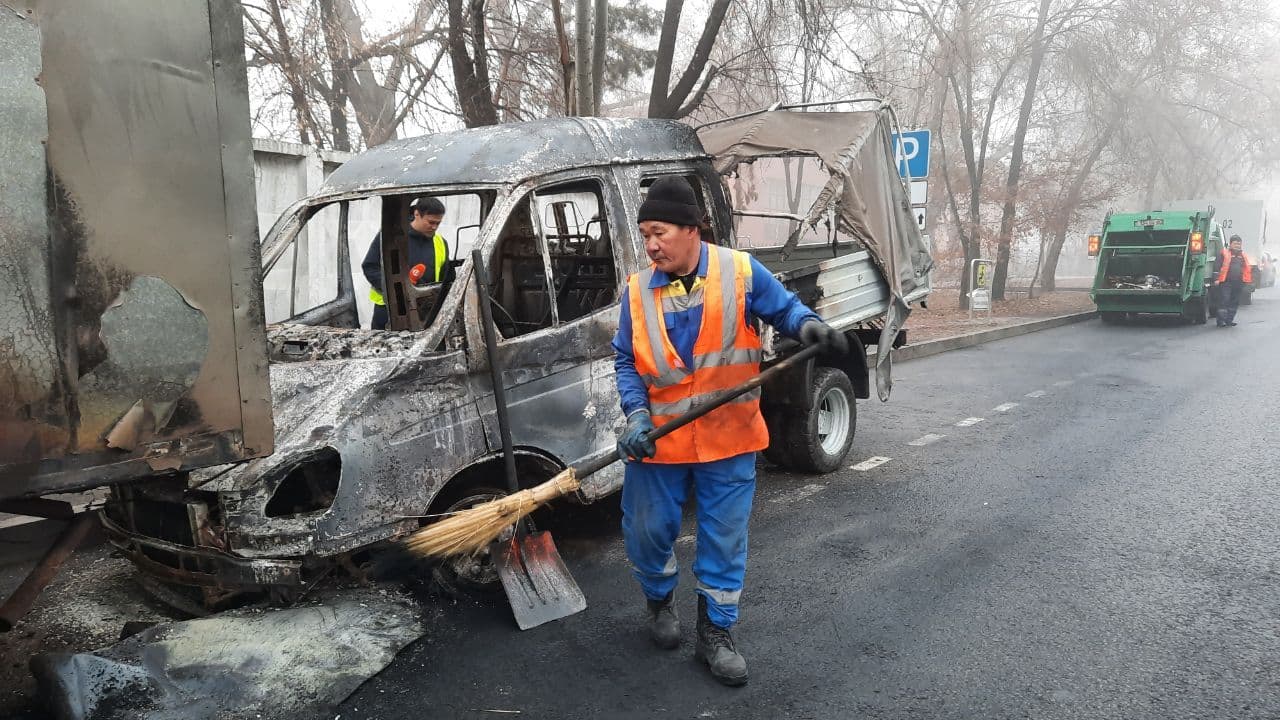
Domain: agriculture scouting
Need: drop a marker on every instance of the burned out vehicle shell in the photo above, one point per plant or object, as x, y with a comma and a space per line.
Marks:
376, 429
394, 417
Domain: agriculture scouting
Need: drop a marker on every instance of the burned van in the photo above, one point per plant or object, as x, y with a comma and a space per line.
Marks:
379, 430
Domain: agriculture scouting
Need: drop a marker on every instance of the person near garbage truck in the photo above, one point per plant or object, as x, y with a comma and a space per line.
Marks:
426, 246
686, 331
1234, 273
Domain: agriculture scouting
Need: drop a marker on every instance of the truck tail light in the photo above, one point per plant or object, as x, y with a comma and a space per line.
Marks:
1197, 242
1095, 244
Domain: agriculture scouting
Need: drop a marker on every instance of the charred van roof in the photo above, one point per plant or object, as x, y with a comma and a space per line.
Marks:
513, 152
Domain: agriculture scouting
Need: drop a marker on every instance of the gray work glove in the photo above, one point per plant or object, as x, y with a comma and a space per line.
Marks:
816, 332
634, 442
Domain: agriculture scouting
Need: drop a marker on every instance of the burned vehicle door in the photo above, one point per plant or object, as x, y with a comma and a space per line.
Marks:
308, 279
555, 273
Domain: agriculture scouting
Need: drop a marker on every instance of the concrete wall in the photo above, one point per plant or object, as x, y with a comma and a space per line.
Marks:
286, 172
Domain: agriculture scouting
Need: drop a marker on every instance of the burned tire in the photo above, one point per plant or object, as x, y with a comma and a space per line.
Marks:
819, 439
469, 574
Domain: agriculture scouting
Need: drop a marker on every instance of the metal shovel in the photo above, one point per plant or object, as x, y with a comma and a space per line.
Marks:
538, 585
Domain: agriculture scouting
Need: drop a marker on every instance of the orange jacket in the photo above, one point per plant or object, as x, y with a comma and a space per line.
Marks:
1224, 264
726, 353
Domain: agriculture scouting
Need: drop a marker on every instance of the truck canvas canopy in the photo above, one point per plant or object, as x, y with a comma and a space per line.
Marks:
863, 198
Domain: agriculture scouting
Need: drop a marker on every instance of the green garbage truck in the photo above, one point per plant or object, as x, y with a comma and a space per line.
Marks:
1157, 262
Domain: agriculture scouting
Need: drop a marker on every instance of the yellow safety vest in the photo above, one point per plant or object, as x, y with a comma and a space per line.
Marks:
441, 253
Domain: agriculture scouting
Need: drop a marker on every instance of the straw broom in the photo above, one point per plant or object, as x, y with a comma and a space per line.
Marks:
472, 529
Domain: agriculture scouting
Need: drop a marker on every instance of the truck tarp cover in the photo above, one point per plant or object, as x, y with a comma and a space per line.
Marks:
864, 193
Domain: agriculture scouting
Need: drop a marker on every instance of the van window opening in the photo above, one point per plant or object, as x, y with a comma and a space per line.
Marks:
571, 242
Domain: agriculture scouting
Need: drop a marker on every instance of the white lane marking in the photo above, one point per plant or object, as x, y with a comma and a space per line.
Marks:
970, 421
922, 441
1006, 407
798, 495
869, 463
1035, 394
1063, 383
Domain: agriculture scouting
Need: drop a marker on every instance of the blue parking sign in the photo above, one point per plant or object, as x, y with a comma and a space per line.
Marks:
911, 150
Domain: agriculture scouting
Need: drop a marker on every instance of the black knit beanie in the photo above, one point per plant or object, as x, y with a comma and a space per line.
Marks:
671, 199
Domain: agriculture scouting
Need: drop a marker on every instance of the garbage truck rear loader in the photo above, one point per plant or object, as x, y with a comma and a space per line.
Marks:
1155, 263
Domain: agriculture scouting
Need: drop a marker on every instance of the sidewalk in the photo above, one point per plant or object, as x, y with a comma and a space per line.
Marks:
944, 318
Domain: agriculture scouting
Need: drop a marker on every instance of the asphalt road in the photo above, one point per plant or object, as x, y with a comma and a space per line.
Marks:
1105, 548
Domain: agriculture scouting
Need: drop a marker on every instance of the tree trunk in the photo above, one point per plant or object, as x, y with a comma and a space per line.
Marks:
793, 190
471, 74
582, 58
338, 50
677, 102
293, 75
968, 242
1005, 239
566, 61
601, 22
1049, 269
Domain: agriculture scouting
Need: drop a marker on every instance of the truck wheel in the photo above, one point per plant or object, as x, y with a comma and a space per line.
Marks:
1111, 318
1246, 297
818, 439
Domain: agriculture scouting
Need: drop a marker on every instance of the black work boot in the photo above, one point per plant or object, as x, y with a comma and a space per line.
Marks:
715, 648
664, 624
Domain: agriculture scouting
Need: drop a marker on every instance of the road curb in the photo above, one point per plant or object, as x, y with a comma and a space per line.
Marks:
956, 342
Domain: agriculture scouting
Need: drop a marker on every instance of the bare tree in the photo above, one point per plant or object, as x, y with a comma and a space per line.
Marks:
666, 101
321, 50
1005, 238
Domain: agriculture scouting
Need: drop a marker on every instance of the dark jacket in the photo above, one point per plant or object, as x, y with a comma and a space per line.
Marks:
1235, 273
421, 250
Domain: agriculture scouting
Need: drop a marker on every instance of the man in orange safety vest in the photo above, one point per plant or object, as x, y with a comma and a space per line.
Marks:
686, 330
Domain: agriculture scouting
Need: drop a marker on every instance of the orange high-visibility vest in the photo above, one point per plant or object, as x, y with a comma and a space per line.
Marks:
1224, 264
726, 353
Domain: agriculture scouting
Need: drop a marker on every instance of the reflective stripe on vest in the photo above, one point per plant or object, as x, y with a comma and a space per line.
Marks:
441, 256
726, 353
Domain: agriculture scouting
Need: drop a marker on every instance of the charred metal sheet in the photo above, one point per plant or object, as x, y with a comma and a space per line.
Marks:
140, 380
145, 349
302, 343
290, 663
513, 152
32, 414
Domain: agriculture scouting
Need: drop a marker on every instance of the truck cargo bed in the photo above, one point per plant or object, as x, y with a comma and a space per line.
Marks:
845, 290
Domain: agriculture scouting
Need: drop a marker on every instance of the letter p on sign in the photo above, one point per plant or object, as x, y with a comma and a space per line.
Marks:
911, 151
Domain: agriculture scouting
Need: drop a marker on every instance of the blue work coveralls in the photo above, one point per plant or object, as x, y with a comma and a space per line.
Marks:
654, 494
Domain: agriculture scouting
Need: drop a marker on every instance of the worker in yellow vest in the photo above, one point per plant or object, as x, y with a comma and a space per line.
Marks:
426, 246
